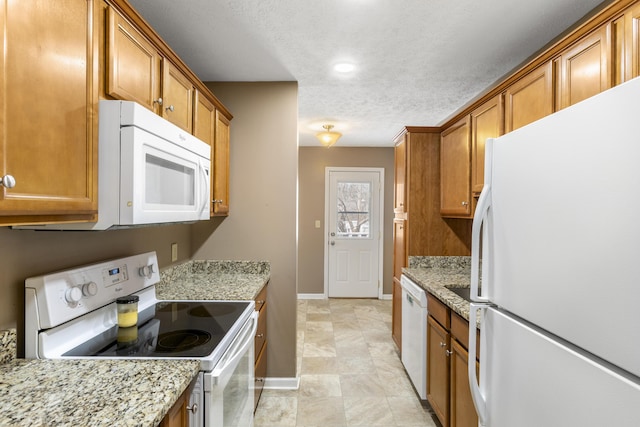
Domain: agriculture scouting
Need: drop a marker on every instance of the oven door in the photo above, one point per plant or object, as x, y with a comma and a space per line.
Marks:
229, 388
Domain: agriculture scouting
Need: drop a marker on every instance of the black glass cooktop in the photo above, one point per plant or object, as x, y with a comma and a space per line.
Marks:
168, 329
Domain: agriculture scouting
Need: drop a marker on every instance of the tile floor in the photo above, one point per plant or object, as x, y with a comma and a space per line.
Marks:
350, 371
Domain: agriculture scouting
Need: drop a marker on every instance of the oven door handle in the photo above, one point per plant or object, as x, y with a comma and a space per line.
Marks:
237, 350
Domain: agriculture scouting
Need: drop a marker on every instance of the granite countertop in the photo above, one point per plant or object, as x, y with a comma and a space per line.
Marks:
213, 280
87, 392
437, 275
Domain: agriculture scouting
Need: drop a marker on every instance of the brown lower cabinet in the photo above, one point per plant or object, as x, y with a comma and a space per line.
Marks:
178, 415
448, 389
260, 367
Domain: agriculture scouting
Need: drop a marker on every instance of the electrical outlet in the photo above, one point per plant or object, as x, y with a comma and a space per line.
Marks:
174, 252
317, 223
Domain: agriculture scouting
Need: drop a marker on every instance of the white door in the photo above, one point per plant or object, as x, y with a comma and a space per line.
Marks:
353, 233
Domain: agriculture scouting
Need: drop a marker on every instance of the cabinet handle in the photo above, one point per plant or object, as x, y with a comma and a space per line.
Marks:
259, 380
260, 302
158, 101
193, 408
442, 344
465, 203
170, 108
448, 353
260, 336
8, 181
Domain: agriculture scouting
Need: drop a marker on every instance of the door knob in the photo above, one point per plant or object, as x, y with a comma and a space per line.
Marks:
333, 243
333, 234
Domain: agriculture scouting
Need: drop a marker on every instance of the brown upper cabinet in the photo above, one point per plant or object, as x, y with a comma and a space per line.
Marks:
134, 71
486, 122
583, 69
133, 64
529, 99
400, 171
220, 184
48, 111
455, 170
177, 97
632, 41
204, 118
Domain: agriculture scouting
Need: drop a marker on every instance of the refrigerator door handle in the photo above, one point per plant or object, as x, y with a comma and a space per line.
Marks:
478, 399
478, 220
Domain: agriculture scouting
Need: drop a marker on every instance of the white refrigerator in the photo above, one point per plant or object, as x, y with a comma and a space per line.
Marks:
556, 253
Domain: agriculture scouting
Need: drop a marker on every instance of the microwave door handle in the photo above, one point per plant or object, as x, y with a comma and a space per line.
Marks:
205, 187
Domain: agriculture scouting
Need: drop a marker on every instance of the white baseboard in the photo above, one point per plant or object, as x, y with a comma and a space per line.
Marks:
282, 383
386, 296
312, 296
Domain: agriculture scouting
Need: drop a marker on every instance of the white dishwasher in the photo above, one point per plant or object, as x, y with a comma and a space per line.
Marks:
414, 334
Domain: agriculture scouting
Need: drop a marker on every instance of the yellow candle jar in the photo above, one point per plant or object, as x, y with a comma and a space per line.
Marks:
127, 311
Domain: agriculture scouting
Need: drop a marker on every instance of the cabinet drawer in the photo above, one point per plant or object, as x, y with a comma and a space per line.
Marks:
261, 332
460, 331
261, 374
438, 310
261, 298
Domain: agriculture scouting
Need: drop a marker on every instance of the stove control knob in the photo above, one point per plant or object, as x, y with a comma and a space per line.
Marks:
73, 295
89, 289
146, 271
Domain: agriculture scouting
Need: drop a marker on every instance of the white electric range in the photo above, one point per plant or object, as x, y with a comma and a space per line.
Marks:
72, 314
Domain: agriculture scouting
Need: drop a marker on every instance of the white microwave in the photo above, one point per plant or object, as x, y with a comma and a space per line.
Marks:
150, 171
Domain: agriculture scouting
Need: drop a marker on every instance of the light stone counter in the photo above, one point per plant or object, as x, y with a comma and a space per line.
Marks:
213, 280
437, 275
91, 393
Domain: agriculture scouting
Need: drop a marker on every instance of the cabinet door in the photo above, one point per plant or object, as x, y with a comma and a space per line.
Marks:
486, 122
177, 415
204, 119
399, 246
220, 187
463, 412
584, 69
438, 369
133, 70
177, 96
400, 171
529, 99
396, 314
632, 41
48, 110
455, 173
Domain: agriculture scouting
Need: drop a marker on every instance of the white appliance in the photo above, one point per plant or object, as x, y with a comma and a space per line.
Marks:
72, 314
414, 334
558, 235
150, 171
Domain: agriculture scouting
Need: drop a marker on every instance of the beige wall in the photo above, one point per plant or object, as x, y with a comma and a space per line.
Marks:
312, 164
28, 253
262, 221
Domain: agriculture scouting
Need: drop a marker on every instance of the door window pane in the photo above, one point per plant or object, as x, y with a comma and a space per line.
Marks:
354, 200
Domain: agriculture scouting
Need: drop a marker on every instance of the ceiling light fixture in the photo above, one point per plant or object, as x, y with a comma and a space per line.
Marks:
328, 137
344, 67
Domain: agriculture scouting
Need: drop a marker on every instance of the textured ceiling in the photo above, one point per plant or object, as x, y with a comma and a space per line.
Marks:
417, 61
